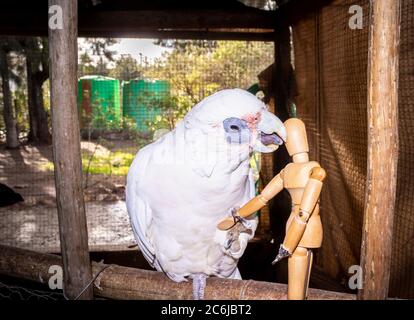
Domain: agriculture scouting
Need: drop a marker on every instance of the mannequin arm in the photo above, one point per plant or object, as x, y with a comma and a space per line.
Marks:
255, 204
297, 227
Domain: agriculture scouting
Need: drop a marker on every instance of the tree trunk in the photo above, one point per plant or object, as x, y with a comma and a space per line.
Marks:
12, 137
33, 135
39, 127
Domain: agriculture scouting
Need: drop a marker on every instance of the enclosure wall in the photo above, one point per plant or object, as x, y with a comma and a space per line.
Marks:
331, 77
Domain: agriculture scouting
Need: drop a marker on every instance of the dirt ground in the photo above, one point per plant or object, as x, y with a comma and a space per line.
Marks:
33, 224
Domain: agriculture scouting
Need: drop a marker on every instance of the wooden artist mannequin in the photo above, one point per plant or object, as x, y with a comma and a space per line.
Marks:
303, 179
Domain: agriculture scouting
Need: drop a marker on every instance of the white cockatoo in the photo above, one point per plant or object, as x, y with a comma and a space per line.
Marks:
180, 186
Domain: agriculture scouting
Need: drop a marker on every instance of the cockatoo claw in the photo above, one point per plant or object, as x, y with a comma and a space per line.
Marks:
237, 219
232, 243
228, 243
234, 210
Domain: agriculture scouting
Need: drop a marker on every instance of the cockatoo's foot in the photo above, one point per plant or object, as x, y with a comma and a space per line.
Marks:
199, 283
234, 219
241, 225
238, 219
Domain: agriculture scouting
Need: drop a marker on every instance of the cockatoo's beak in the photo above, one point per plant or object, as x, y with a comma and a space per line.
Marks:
271, 133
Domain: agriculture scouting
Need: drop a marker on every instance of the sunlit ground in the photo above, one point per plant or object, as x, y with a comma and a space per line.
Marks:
33, 224
98, 159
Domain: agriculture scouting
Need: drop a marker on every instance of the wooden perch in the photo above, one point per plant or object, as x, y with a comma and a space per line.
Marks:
117, 282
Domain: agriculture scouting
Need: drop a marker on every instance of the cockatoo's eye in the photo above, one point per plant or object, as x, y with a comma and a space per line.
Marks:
236, 130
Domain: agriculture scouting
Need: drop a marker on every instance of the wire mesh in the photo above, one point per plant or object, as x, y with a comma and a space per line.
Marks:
125, 101
331, 72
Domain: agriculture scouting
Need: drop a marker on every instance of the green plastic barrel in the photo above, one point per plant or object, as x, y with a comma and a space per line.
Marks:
99, 102
142, 101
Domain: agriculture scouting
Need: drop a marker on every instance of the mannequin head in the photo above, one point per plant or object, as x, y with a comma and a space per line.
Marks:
296, 141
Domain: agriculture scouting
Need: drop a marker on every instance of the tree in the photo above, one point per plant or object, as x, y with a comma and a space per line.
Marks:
126, 68
196, 69
86, 66
95, 55
183, 45
183, 68
100, 47
37, 65
12, 132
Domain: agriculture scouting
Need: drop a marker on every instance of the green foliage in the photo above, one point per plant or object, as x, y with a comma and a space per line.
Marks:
86, 65
22, 113
126, 68
128, 124
196, 69
95, 55
183, 45
171, 109
104, 118
100, 47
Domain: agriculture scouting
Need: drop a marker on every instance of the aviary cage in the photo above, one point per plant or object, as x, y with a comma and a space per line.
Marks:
329, 71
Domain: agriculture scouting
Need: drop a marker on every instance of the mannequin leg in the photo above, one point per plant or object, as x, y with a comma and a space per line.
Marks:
299, 268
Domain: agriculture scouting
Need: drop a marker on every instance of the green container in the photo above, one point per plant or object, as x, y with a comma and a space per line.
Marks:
99, 102
142, 100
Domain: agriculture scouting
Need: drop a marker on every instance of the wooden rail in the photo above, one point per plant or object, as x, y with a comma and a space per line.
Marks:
117, 282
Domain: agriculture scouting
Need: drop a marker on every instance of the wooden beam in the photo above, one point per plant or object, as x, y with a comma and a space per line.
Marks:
116, 282
183, 34
283, 71
134, 23
159, 34
376, 250
155, 19
63, 53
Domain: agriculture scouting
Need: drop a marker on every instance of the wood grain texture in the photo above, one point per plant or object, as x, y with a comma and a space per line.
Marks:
376, 250
66, 152
116, 282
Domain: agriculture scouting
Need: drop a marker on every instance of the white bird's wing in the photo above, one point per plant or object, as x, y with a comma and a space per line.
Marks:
139, 211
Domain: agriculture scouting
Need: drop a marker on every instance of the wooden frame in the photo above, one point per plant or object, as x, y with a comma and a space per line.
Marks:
116, 282
376, 249
382, 132
234, 23
63, 52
